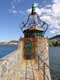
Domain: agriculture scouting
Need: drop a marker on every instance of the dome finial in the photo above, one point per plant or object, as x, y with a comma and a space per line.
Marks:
33, 8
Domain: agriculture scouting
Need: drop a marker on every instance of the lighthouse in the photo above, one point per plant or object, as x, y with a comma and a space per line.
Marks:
34, 46
33, 29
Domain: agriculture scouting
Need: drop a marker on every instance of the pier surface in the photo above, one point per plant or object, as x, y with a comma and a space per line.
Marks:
11, 68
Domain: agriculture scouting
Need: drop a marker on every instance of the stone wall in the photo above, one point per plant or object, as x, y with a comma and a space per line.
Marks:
12, 66
40, 48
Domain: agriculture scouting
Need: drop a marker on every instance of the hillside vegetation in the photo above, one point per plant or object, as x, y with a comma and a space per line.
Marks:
54, 42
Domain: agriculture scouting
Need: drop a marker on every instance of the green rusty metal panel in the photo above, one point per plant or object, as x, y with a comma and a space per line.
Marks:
28, 52
28, 44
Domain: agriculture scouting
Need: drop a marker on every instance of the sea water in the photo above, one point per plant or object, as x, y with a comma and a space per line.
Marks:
6, 49
54, 60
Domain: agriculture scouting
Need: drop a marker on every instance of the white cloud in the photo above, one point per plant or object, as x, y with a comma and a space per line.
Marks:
35, 4
14, 8
14, 11
54, 31
51, 15
46, 18
56, 1
56, 9
18, 1
48, 6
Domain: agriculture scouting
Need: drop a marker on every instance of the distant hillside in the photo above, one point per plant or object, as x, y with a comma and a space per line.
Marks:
14, 42
57, 37
54, 41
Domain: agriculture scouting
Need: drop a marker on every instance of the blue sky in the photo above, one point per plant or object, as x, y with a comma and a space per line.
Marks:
13, 12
